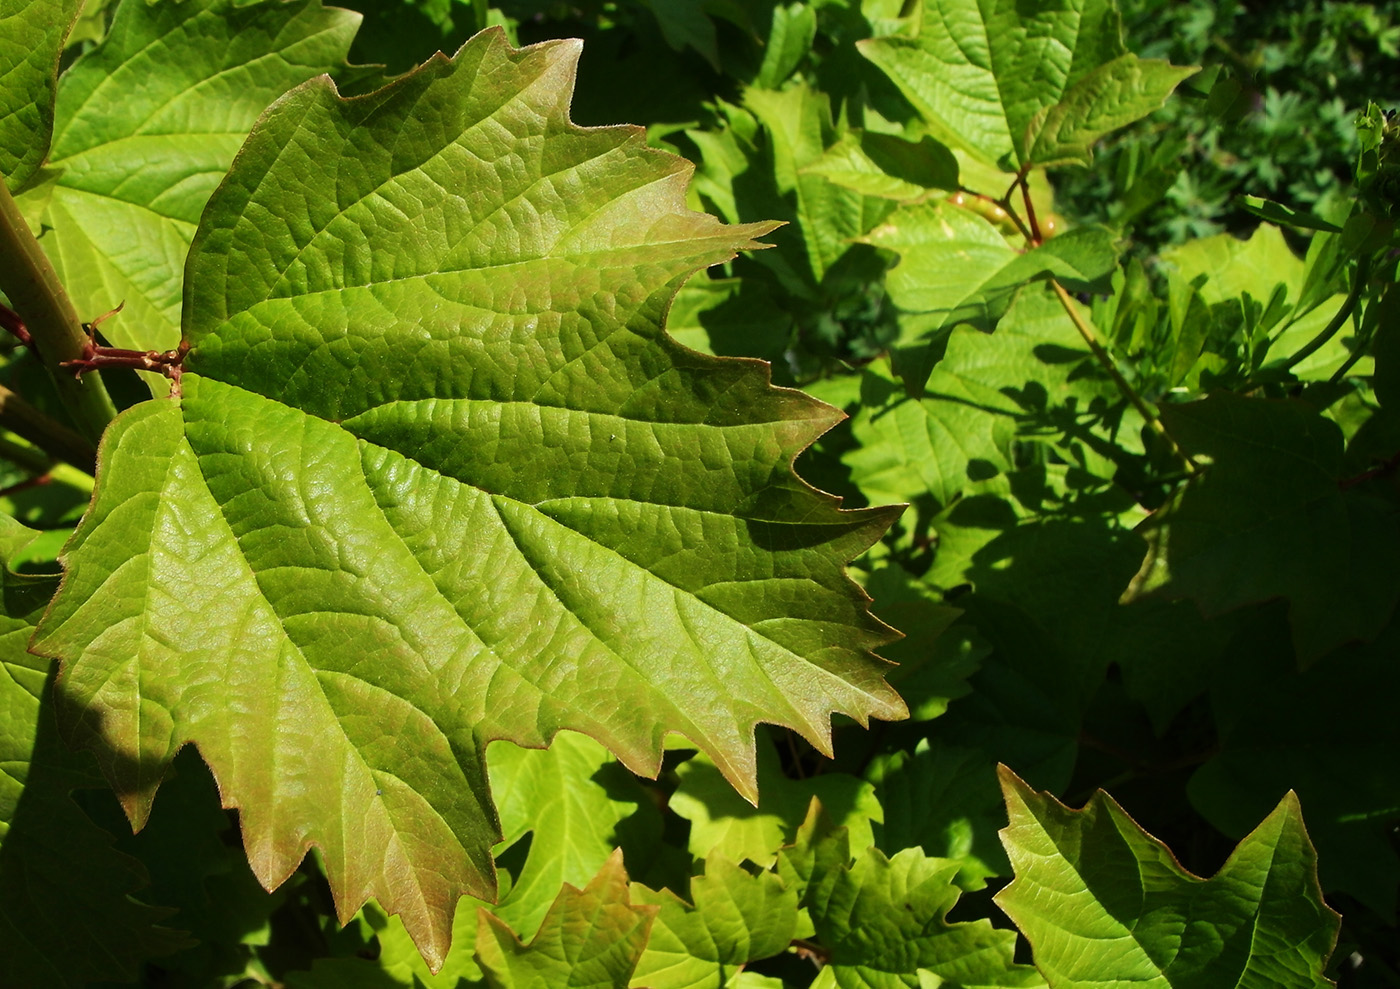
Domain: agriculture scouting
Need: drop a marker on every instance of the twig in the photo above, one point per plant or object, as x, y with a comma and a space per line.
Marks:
32, 285
56, 439
1129, 392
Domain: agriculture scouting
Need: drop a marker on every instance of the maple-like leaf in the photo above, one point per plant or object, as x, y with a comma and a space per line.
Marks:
1023, 84
591, 939
1104, 903
437, 477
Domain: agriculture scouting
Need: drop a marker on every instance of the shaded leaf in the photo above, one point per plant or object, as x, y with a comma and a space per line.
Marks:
591, 939
147, 124
399, 963
1103, 902
392, 373
67, 917
1326, 732
1268, 519
32, 33
945, 800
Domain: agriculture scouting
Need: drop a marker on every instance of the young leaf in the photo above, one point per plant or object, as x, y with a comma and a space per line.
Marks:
147, 124
67, 917
437, 478
554, 796
737, 918
591, 939
1023, 85
31, 37
721, 823
1268, 518
885, 919
1104, 903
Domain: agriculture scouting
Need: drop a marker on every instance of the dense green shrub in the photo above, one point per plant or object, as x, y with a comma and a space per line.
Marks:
401, 459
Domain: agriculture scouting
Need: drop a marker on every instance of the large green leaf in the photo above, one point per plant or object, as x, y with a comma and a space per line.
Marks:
31, 37
147, 124
591, 939
1270, 518
1327, 732
437, 478
1104, 903
1023, 84
67, 917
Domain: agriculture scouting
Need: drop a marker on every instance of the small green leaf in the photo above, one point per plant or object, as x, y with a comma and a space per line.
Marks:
147, 124
954, 262
1104, 903
555, 797
737, 918
1023, 85
1285, 216
32, 33
591, 939
722, 823
887, 166
885, 919
790, 38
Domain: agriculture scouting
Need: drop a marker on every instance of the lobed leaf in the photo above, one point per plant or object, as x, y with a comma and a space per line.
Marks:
437, 478
884, 923
591, 939
1104, 903
737, 918
1023, 85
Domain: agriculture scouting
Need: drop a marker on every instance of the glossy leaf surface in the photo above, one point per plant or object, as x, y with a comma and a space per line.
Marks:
437, 478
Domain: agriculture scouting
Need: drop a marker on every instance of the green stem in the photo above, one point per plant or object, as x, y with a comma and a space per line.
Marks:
56, 439
1363, 271
1106, 361
27, 277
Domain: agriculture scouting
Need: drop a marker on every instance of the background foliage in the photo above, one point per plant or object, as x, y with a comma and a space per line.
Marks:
1156, 559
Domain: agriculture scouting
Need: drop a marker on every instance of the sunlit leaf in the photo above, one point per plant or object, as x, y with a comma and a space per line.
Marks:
437, 478
591, 939
146, 126
31, 36
1103, 903
1023, 85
